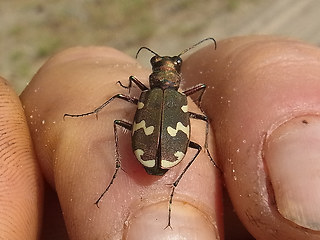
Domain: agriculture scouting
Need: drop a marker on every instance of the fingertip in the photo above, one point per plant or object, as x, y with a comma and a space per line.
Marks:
255, 84
20, 178
291, 154
187, 223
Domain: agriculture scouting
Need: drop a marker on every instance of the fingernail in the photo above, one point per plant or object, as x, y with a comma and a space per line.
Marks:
292, 156
187, 222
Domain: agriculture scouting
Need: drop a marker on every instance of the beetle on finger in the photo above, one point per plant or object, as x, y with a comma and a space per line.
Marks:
161, 126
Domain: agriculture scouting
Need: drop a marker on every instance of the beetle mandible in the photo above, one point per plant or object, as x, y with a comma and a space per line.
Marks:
161, 126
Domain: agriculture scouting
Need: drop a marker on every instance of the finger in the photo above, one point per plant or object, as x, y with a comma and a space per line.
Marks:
53, 226
20, 180
78, 155
265, 109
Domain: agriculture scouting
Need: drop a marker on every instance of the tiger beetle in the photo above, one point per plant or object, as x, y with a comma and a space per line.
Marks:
161, 126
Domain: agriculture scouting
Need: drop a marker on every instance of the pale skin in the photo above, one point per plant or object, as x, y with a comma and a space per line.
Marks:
254, 85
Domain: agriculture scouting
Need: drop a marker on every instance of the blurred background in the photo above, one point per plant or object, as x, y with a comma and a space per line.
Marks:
31, 31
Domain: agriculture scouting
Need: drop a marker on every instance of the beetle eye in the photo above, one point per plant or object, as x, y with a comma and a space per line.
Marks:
155, 59
178, 61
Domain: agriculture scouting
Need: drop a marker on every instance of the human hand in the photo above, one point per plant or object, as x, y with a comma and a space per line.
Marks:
264, 106
255, 85
21, 183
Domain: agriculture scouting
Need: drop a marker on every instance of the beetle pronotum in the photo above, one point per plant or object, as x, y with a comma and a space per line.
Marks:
161, 126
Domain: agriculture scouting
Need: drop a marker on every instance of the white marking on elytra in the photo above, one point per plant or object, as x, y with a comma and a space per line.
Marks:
140, 105
168, 164
146, 163
179, 155
184, 108
181, 127
142, 124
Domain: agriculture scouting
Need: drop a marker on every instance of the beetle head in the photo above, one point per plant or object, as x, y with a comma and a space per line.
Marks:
166, 72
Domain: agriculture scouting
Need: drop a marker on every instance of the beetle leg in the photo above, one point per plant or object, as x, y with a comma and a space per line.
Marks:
97, 110
175, 184
127, 126
205, 118
198, 88
135, 81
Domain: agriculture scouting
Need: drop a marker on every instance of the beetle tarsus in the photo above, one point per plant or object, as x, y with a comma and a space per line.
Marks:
124, 86
176, 182
97, 203
168, 226
213, 162
133, 79
106, 190
98, 109
127, 126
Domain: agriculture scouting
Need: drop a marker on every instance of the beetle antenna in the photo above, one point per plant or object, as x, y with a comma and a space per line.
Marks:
146, 49
194, 45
